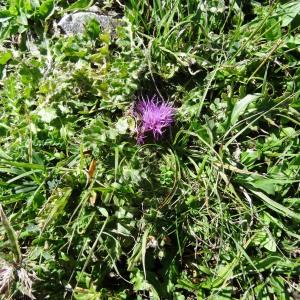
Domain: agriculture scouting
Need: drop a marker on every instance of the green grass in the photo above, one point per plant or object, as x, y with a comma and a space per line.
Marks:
211, 211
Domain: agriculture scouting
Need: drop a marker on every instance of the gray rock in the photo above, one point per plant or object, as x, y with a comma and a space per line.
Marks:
75, 23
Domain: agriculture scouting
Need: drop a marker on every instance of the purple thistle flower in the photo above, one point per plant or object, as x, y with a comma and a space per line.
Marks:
155, 116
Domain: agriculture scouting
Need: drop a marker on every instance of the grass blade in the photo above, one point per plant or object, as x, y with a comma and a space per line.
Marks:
12, 236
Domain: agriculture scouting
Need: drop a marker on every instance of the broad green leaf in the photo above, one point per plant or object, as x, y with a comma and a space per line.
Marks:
278, 284
22, 19
277, 206
279, 224
80, 4
241, 106
46, 9
138, 280
5, 57
273, 27
288, 12
264, 184
224, 273
104, 212
14, 6
268, 262
270, 243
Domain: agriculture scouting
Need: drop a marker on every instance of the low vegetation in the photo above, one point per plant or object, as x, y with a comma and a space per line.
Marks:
96, 204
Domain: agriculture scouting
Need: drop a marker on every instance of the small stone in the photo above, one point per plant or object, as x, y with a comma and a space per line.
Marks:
75, 23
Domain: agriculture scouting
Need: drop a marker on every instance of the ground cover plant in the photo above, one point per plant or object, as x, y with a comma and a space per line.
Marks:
156, 160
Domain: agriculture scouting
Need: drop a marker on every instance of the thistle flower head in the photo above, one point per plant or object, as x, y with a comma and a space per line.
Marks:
155, 116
